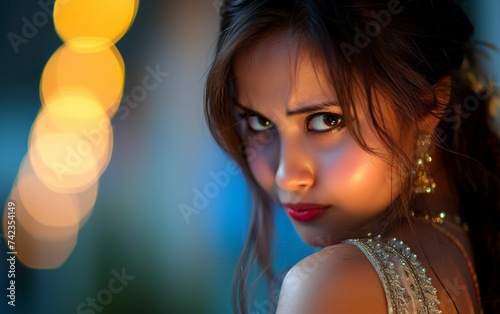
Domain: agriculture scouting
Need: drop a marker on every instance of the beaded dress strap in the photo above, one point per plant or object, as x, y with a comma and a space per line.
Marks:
407, 287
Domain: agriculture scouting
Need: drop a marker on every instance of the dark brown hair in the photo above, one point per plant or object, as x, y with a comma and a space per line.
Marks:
403, 49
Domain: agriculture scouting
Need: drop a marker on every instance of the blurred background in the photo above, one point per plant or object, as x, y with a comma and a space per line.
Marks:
137, 252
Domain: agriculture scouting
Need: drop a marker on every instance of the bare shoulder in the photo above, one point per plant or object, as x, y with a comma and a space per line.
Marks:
337, 279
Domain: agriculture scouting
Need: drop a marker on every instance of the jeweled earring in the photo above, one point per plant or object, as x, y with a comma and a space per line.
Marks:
424, 183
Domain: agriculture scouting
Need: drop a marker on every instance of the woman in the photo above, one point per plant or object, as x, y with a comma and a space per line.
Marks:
366, 122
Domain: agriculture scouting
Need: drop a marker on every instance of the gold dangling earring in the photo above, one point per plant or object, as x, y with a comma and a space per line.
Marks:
424, 183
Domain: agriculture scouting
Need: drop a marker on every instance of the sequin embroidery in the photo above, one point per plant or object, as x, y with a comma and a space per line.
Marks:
407, 287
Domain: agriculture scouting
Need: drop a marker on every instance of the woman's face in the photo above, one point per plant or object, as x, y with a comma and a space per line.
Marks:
300, 151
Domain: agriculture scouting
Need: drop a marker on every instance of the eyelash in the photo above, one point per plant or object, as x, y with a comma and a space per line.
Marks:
248, 114
339, 125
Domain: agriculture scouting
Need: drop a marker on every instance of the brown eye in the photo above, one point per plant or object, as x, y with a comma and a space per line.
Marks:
324, 122
257, 123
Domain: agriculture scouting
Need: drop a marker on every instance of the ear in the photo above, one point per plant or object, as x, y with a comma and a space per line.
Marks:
442, 95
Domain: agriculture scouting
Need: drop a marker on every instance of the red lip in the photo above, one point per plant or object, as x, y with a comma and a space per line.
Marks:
305, 211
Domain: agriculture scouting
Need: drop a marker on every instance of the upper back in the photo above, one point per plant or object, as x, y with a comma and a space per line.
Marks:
385, 275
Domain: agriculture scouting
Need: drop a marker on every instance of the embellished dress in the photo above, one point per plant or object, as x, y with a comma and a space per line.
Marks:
407, 287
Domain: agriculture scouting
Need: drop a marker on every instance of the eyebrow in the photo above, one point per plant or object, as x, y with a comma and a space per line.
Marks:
312, 108
299, 111
237, 104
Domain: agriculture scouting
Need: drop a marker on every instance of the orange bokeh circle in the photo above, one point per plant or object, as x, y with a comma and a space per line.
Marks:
93, 24
69, 153
100, 74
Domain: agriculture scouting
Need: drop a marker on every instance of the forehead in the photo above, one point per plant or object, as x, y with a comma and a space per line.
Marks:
282, 71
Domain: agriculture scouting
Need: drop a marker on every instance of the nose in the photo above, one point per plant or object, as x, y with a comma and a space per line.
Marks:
295, 171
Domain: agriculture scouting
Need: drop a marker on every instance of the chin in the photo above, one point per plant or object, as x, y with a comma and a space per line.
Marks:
319, 238
321, 235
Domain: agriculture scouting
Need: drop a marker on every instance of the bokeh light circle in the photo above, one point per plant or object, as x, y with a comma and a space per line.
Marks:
37, 245
50, 208
69, 152
93, 24
101, 74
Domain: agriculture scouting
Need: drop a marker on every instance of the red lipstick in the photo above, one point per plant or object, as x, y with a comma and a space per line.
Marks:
305, 211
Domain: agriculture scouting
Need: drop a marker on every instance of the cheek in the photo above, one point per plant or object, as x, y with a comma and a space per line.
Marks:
261, 153
356, 180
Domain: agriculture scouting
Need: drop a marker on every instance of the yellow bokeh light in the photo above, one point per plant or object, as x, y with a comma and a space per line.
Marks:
50, 208
71, 140
35, 228
38, 245
70, 159
91, 24
100, 74
73, 110
46, 206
